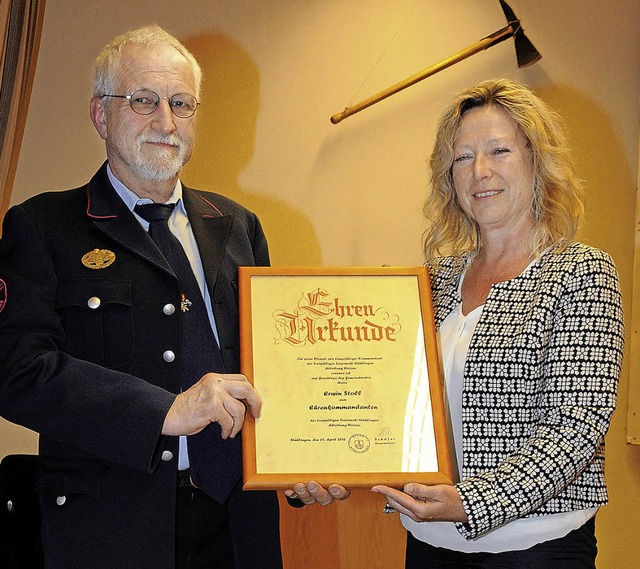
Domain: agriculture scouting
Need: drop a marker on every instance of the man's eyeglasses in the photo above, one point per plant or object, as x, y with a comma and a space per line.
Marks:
145, 102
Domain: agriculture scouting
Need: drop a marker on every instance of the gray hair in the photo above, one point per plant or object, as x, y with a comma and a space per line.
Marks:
106, 64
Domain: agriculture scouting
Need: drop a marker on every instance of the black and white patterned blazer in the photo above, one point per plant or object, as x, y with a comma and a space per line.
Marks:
540, 385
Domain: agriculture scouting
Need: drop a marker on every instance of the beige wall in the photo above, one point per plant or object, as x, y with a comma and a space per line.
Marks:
350, 194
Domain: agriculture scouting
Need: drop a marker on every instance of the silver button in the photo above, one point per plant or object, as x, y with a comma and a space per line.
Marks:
168, 309
167, 455
93, 302
60, 500
168, 356
9, 506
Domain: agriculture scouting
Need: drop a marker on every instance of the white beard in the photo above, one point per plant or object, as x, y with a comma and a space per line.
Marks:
159, 164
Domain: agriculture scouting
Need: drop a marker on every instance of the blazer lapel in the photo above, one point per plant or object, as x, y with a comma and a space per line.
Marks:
111, 216
211, 229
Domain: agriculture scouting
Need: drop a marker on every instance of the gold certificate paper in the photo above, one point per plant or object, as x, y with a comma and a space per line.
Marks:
346, 363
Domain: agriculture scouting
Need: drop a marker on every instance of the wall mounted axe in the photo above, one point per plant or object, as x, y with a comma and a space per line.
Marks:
526, 54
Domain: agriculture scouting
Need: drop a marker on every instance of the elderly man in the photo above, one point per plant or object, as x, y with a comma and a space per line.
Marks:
119, 339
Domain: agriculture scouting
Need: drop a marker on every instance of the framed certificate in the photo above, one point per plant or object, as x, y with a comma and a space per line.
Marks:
346, 362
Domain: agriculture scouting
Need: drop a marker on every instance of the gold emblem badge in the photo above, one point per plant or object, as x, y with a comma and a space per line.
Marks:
98, 259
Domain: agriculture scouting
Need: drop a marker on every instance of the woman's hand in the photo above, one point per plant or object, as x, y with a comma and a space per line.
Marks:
312, 492
439, 503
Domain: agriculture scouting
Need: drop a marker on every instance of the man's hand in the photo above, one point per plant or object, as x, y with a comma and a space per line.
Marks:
216, 398
439, 503
312, 493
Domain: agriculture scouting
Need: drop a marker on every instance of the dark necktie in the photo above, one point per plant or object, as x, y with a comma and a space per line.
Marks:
216, 464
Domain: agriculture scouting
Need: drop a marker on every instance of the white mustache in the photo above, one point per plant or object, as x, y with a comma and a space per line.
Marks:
171, 140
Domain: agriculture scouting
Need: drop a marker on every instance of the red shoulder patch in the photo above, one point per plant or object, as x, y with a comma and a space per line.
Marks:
3, 294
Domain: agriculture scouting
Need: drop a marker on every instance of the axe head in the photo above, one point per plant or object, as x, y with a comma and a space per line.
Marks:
526, 53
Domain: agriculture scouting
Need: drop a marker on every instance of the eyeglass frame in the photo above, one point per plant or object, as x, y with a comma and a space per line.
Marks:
129, 98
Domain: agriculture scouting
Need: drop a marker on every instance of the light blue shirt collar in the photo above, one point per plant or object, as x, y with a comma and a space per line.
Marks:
131, 199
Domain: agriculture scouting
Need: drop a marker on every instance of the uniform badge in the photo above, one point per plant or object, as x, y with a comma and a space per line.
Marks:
98, 259
185, 304
3, 294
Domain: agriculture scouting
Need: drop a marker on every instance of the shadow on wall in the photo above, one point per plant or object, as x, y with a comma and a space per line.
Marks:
601, 164
225, 135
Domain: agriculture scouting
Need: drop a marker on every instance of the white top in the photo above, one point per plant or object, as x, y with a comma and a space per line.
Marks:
455, 335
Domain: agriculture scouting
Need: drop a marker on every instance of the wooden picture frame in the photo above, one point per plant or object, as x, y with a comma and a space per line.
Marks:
346, 362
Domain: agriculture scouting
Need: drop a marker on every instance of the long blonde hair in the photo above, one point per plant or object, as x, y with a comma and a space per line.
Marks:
557, 205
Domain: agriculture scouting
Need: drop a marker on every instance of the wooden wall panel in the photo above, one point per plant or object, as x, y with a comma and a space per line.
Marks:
353, 534
633, 409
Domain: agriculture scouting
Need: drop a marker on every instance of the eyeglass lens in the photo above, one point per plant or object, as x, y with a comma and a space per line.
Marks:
145, 102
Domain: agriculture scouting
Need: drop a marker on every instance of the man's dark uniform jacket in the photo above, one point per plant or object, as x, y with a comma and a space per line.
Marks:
81, 363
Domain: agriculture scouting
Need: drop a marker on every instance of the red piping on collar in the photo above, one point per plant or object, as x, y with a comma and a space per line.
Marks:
96, 216
213, 206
